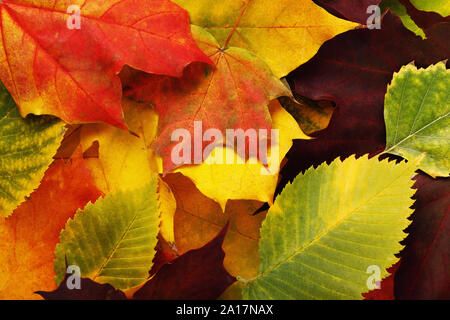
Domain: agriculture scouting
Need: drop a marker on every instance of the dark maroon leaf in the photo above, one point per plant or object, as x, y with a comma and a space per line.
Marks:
89, 290
436, 27
165, 253
424, 271
196, 275
439, 35
354, 10
423, 19
353, 70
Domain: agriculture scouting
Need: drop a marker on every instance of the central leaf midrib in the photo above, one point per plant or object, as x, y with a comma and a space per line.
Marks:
398, 144
115, 248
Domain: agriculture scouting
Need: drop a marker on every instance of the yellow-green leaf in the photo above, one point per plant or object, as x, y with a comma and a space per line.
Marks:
27, 147
113, 240
417, 116
125, 160
329, 226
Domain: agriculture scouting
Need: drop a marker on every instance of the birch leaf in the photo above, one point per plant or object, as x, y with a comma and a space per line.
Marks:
417, 115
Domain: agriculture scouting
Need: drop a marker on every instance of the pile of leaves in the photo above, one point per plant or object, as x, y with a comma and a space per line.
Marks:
92, 205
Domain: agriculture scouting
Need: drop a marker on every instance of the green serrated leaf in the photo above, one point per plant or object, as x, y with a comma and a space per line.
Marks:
416, 112
113, 240
27, 146
439, 6
328, 226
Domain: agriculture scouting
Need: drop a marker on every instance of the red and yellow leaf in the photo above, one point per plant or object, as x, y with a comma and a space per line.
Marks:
234, 95
72, 73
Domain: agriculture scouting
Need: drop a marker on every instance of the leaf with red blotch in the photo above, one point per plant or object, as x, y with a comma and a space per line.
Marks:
29, 236
354, 10
233, 95
89, 290
165, 253
196, 275
424, 266
70, 143
353, 70
71, 73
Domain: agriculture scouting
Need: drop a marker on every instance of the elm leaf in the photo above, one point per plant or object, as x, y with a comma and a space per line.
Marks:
26, 150
113, 240
331, 224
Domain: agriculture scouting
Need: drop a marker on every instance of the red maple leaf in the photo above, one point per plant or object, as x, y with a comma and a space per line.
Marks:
51, 65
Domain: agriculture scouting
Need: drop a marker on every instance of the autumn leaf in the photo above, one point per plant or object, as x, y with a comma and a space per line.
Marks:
385, 291
233, 95
198, 219
26, 150
124, 160
357, 84
28, 237
310, 115
233, 292
328, 226
112, 240
423, 271
195, 154
354, 10
71, 73
196, 275
284, 33
417, 114
165, 253
244, 179
69, 143
89, 290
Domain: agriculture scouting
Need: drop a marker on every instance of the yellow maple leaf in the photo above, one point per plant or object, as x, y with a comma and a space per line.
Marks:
284, 33
247, 180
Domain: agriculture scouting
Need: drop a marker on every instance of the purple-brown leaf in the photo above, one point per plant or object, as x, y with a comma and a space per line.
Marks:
196, 275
